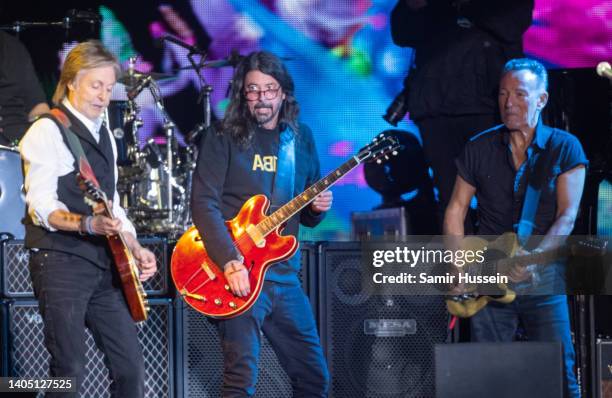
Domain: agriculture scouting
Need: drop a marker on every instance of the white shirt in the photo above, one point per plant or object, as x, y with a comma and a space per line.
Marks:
46, 158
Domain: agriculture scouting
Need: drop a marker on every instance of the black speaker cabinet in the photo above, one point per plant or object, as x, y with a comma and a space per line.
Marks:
25, 355
199, 356
16, 274
501, 370
377, 345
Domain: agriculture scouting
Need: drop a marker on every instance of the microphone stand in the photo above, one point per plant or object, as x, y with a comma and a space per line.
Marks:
66, 22
169, 167
19, 26
204, 98
205, 88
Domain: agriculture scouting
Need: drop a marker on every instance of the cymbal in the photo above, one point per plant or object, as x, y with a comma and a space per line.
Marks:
133, 79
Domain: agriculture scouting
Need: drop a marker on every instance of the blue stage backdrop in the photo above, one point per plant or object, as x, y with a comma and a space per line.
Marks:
346, 68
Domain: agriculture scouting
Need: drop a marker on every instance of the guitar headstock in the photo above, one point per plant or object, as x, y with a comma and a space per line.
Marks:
93, 193
381, 147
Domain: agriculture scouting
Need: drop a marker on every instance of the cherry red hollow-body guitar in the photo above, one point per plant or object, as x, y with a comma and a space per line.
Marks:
256, 235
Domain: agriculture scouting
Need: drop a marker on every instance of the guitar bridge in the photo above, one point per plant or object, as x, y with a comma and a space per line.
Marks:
194, 296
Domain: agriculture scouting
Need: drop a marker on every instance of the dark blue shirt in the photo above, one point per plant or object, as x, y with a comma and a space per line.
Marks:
486, 164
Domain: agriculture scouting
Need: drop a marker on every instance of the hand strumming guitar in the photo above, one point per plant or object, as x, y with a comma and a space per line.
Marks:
145, 259
237, 277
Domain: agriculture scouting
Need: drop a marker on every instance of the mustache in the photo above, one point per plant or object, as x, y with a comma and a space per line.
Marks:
262, 105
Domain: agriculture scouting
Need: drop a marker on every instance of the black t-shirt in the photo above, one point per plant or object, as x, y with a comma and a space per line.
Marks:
20, 90
486, 164
227, 175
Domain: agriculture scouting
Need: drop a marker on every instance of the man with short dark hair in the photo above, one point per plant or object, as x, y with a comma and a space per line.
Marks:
260, 148
70, 261
512, 168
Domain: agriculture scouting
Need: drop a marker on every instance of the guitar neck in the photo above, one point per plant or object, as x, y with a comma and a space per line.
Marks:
108, 212
541, 258
280, 216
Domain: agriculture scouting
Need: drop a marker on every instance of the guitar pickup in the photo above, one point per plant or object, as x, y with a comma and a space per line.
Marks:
256, 236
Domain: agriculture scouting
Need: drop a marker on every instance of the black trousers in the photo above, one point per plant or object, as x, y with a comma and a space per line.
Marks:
443, 140
73, 294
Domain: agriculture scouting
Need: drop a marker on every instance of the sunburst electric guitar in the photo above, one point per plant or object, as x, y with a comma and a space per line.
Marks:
124, 261
500, 258
257, 237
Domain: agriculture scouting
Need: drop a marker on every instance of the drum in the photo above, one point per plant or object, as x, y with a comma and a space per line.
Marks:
120, 130
12, 199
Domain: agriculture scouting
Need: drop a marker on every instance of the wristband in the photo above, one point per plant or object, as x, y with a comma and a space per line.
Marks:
88, 226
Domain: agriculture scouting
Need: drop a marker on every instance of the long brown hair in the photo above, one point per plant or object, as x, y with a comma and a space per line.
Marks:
238, 121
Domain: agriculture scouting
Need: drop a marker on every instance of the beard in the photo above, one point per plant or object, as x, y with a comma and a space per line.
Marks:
263, 118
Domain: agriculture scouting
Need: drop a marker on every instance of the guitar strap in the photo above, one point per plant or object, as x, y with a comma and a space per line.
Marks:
536, 168
284, 179
74, 144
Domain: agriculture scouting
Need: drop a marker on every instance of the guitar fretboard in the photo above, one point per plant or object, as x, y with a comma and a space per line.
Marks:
541, 258
276, 219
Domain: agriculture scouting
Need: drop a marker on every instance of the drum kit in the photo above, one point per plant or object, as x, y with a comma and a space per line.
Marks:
154, 182
155, 175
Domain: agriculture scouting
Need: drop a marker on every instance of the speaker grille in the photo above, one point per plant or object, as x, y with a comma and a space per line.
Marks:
361, 363
29, 358
202, 363
17, 283
16, 275
202, 360
157, 285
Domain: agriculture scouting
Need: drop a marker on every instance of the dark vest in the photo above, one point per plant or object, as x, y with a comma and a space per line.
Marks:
100, 156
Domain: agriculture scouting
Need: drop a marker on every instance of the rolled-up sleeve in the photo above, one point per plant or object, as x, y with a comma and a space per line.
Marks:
40, 149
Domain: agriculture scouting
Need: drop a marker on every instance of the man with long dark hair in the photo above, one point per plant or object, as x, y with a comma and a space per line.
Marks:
260, 148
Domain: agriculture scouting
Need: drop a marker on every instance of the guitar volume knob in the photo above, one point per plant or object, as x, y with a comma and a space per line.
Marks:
218, 301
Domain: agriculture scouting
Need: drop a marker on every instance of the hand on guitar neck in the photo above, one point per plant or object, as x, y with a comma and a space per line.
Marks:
322, 202
520, 272
101, 224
